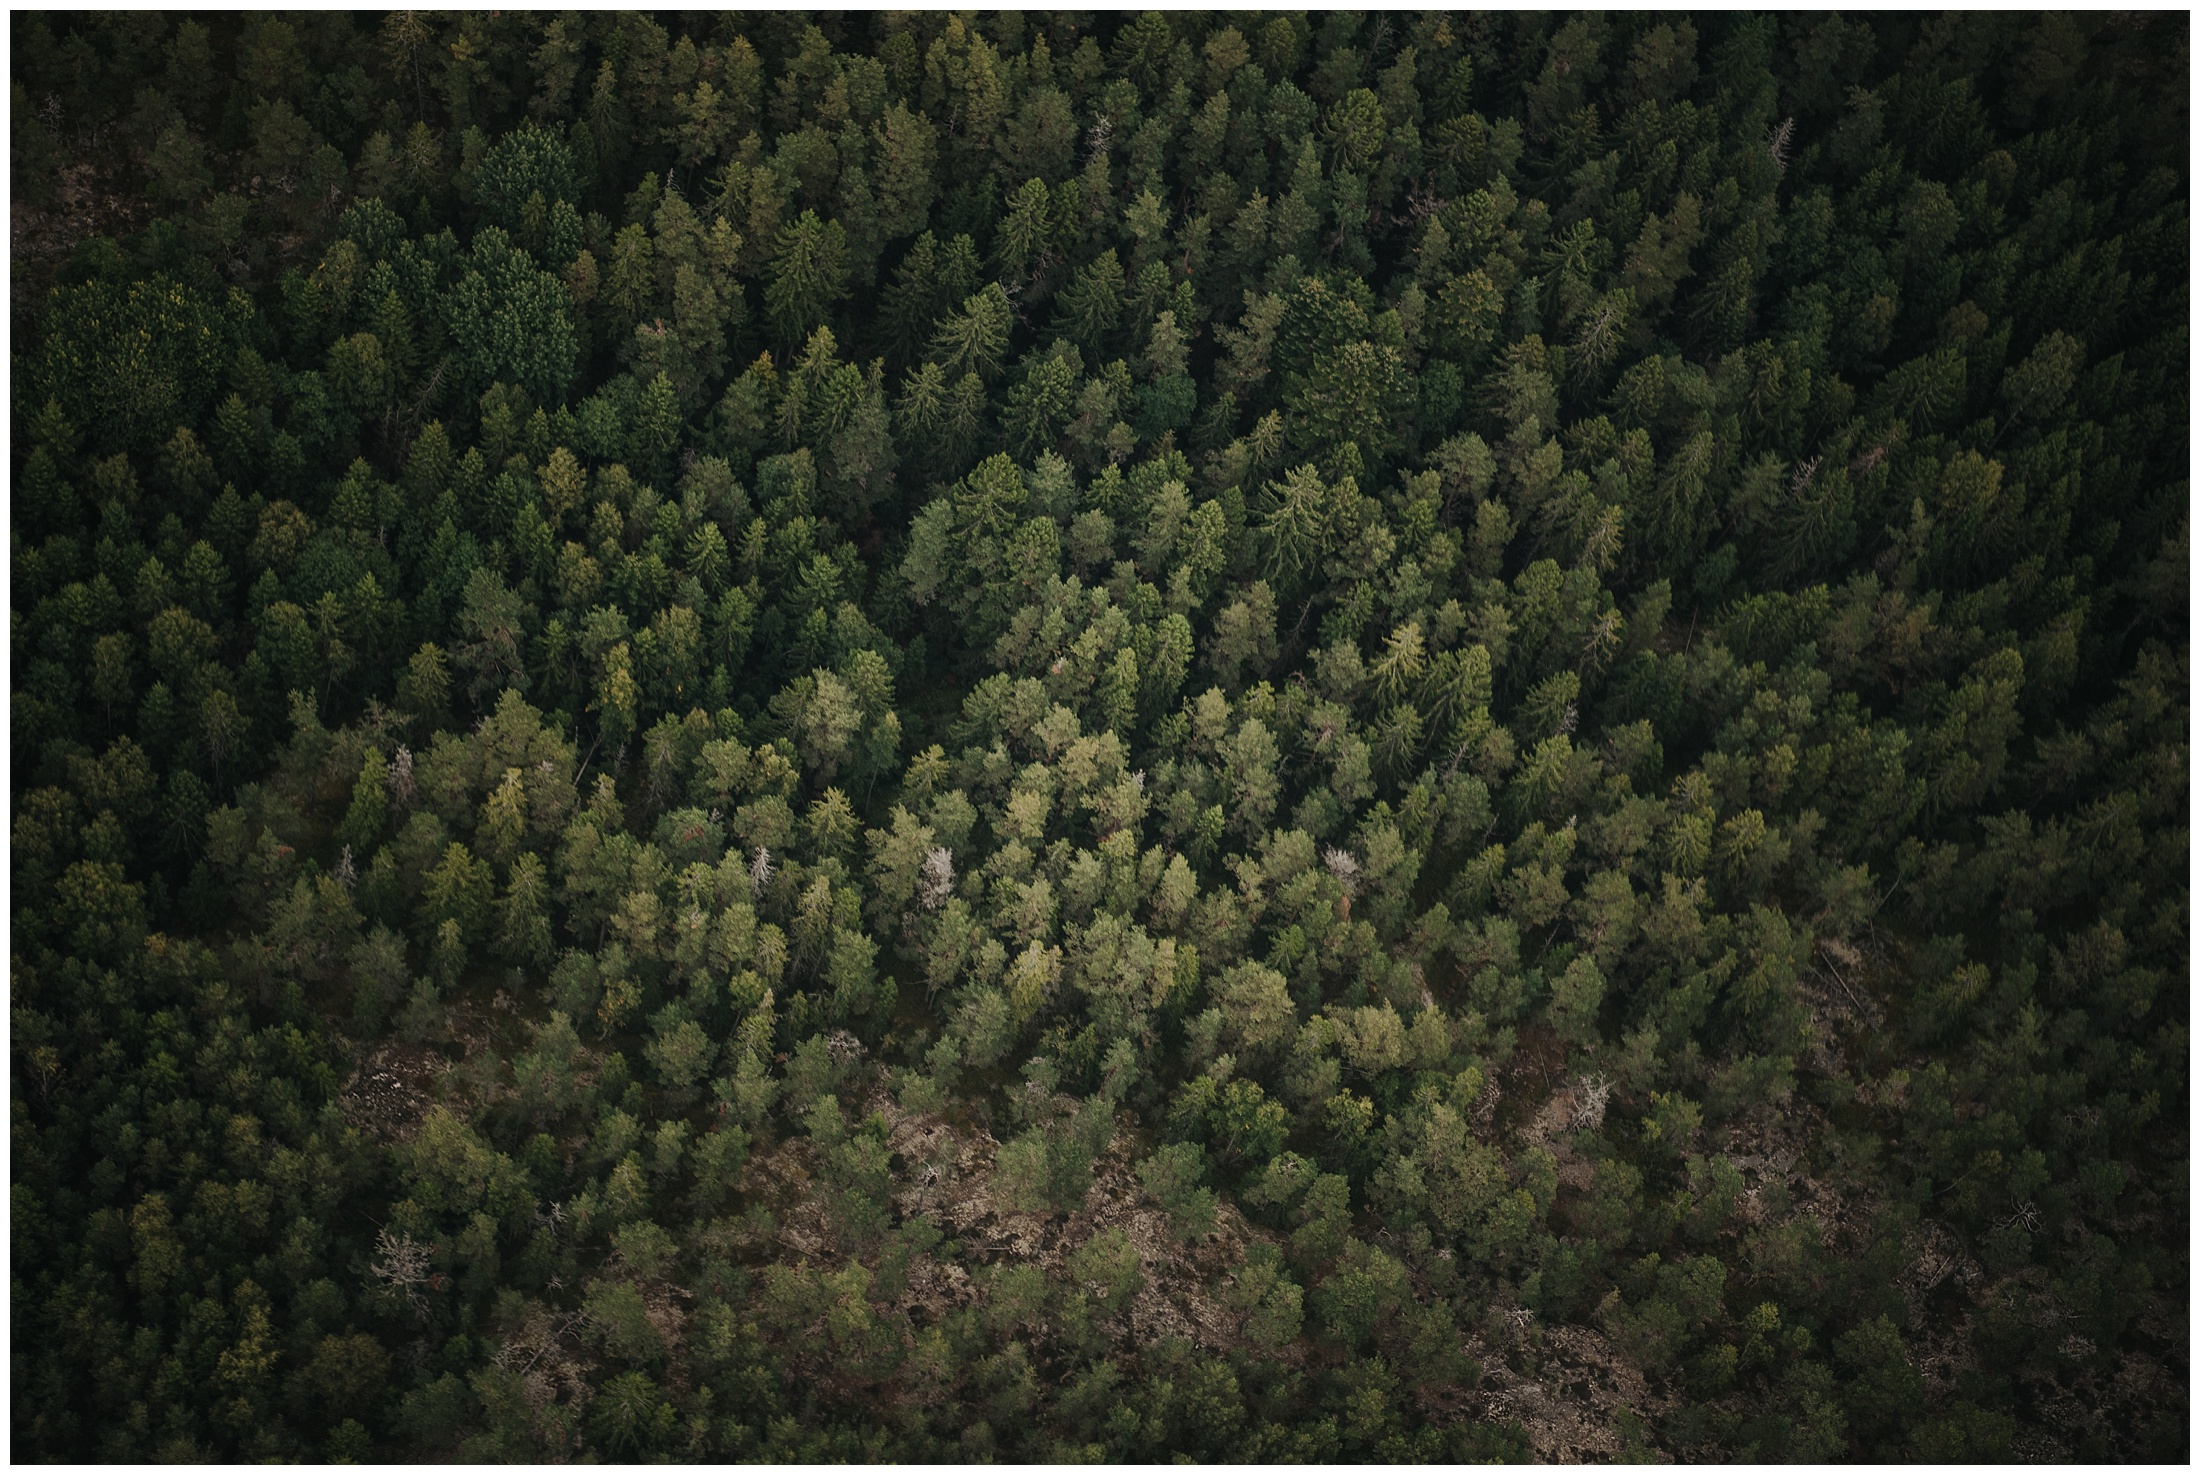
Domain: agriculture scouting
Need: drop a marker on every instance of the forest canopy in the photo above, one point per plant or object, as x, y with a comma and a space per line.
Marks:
1057, 736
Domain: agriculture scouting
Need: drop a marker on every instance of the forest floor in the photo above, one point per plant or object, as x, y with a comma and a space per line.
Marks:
950, 1180
85, 204
1575, 1393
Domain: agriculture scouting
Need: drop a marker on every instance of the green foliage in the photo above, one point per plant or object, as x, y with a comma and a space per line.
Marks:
1173, 1177
741, 738
508, 321
128, 361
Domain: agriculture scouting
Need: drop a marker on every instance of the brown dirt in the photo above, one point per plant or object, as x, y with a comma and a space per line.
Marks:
1568, 1393
392, 1089
949, 1178
86, 203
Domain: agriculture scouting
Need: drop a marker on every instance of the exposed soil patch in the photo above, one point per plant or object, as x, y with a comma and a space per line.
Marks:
950, 1180
392, 1090
1570, 1398
87, 202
